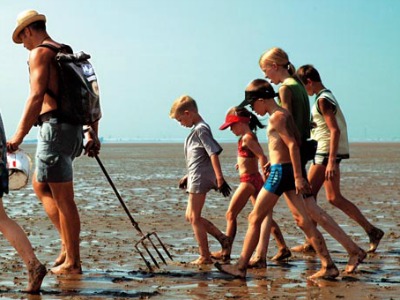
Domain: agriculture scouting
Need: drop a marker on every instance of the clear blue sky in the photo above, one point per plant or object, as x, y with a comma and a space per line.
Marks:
147, 53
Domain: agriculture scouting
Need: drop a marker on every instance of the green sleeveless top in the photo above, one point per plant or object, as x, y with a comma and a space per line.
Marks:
300, 107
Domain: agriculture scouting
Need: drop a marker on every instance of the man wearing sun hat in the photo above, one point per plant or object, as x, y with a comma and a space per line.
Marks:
58, 142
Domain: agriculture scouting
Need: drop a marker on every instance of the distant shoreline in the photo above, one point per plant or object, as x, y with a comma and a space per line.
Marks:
180, 141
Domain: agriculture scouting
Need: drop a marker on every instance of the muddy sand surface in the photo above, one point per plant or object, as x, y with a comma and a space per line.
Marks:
146, 176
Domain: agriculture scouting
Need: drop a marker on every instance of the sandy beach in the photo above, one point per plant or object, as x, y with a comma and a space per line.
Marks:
146, 176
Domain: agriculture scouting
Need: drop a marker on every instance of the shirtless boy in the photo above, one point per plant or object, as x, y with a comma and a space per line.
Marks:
285, 178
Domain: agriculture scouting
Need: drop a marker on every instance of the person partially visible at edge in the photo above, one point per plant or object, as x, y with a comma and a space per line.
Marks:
204, 173
330, 131
13, 232
58, 141
250, 159
285, 178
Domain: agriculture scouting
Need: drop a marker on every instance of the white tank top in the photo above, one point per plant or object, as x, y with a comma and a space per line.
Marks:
321, 132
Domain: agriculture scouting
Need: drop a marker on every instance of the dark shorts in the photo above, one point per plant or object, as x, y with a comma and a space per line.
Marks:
3, 179
280, 179
255, 179
58, 145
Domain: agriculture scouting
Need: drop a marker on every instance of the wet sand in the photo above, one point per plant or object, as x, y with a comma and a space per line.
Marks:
146, 176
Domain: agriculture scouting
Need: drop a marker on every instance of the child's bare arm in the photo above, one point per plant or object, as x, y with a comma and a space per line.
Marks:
217, 168
183, 183
256, 148
223, 187
287, 136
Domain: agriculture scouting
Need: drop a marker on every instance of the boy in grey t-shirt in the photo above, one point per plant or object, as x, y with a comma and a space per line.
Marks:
204, 174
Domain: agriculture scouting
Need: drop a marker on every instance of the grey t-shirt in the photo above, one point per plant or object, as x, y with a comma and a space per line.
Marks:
199, 146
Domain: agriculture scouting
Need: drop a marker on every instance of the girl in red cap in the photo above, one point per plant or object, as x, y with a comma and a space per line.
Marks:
243, 123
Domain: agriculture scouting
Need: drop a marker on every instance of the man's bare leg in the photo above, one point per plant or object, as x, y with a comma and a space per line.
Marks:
63, 195
42, 191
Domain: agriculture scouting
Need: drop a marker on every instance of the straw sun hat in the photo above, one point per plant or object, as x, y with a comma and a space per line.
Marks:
24, 19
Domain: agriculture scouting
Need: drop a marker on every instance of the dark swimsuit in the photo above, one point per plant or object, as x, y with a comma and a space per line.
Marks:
280, 179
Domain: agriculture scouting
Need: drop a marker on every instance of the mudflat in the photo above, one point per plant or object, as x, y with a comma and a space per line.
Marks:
146, 176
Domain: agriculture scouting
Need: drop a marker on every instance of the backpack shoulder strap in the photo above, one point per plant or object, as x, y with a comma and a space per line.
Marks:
62, 48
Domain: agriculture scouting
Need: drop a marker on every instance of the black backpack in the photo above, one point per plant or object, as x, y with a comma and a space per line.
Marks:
78, 99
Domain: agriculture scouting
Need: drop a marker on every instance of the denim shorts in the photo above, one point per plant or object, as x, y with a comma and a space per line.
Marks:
58, 145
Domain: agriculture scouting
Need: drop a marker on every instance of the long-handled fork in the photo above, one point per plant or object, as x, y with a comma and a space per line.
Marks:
146, 238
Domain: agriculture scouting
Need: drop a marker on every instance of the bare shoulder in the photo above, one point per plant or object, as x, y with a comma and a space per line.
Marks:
248, 137
278, 117
41, 55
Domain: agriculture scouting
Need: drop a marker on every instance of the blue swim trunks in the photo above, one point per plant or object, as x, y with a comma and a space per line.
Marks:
280, 179
58, 145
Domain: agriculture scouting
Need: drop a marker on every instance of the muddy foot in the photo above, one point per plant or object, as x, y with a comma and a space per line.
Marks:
232, 270
305, 248
65, 269
257, 263
219, 255
355, 260
60, 259
226, 244
36, 275
375, 237
326, 273
202, 261
282, 254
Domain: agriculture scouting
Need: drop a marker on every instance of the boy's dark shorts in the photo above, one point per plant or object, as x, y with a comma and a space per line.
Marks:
58, 145
280, 179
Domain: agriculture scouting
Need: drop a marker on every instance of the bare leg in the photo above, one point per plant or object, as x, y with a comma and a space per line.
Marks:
69, 222
283, 250
238, 202
18, 239
199, 226
44, 195
316, 177
356, 254
263, 206
296, 206
259, 258
334, 196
